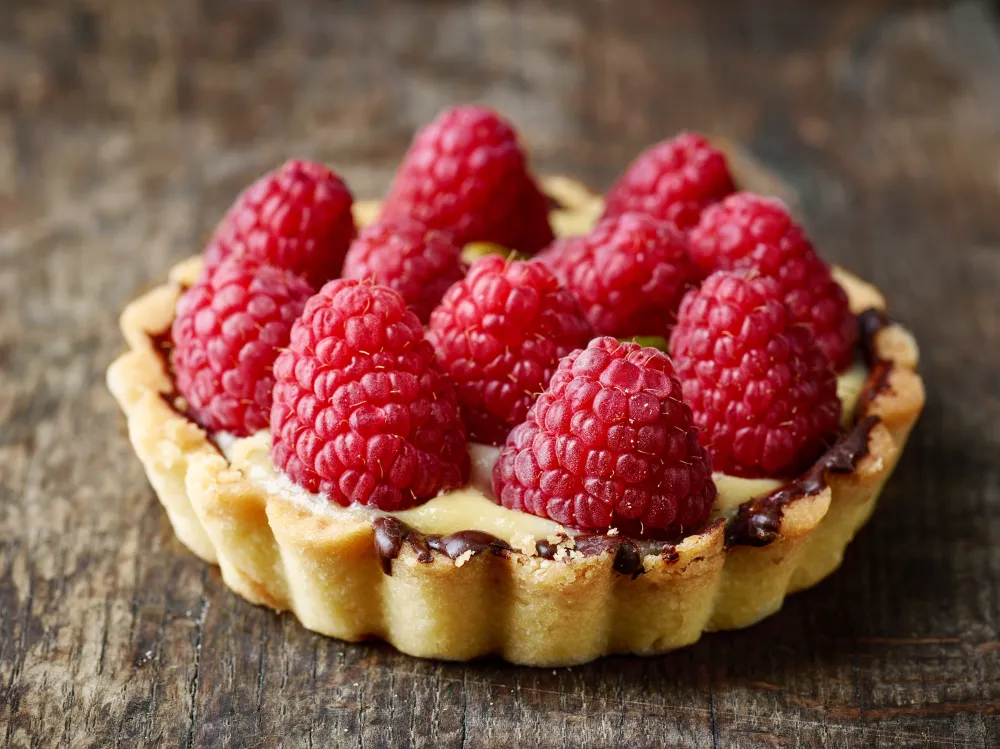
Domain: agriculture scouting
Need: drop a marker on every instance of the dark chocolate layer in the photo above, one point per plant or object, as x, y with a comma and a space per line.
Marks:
627, 558
758, 521
870, 323
163, 346
391, 534
456, 544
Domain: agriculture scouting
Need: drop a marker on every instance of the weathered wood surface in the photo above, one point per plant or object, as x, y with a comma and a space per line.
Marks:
126, 128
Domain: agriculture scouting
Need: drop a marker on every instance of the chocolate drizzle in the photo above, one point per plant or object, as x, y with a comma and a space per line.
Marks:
391, 534
546, 549
627, 559
456, 544
870, 323
628, 553
163, 347
554, 203
758, 521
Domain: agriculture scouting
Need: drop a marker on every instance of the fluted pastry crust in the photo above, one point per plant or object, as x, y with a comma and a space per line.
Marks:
524, 608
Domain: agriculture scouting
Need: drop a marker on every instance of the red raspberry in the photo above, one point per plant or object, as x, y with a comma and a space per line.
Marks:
609, 444
762, 392
500, 334
466, 173
672, 181
297, 217
420, 264
226, 334
629, 274
750, 231
362, 413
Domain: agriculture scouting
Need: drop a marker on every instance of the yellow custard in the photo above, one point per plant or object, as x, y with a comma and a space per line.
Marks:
468, 508
849, 386
734, 491
471, 507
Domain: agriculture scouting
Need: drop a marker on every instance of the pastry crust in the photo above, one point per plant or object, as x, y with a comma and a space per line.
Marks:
525, 608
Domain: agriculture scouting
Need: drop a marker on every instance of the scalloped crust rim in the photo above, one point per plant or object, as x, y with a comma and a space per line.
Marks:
470, 595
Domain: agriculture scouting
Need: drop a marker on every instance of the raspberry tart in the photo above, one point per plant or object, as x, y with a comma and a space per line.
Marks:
464, 452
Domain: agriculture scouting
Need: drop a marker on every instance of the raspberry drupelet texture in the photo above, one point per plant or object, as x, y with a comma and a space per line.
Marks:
419, 263
762, 392
629, 273
297, 217
500, 334
362, 413
466, 173
227, 332
609, 444
672, 181
751, 231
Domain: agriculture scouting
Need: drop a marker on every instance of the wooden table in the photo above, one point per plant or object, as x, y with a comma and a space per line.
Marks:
126, 129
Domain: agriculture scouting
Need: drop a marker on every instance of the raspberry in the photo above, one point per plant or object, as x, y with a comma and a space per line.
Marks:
226, 334
362, 413
750, 231
420, 264
466, 173
629, 273
500, 334
609, 444
672, 181
762, 392
297, 217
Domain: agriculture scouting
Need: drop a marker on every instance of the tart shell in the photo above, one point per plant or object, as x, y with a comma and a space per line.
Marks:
483, 600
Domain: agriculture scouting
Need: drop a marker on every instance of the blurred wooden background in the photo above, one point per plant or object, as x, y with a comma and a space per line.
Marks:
126, 128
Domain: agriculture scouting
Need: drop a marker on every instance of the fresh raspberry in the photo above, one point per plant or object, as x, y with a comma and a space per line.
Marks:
297, 217
226, 334
466, 173
362, 413
420, 264
762, 392
609, 444
629, 274
672, 181
750, 231
500, 334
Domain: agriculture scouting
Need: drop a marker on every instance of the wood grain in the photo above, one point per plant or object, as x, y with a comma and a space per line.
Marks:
125, 130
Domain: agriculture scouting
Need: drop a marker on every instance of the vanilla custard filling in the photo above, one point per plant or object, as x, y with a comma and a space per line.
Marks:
471, 507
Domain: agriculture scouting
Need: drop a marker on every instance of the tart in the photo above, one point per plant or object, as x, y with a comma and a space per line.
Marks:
460, 576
